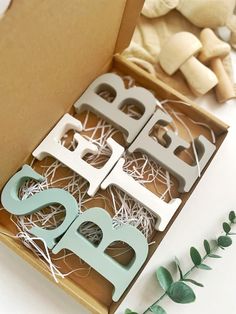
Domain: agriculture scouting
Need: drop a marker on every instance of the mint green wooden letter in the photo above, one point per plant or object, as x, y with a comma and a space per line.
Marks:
119, 275
11, 202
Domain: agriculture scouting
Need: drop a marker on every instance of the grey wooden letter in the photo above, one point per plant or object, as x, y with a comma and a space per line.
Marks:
166, 157
111, 112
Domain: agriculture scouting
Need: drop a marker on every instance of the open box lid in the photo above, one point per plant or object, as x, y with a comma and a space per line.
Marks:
50, 51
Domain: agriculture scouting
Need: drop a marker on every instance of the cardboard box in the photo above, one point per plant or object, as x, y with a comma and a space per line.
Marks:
50, 52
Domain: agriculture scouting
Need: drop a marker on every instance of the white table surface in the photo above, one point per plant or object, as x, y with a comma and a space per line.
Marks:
25, 291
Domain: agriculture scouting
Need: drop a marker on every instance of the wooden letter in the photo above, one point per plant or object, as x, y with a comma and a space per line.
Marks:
73, 159
111, 112
120, 276
11, 202
162, 210
166, 157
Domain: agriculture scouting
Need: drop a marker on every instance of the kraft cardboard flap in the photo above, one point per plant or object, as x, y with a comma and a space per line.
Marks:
50, 51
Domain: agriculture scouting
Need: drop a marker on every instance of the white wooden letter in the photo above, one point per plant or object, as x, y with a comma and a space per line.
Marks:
73, 159
162, 210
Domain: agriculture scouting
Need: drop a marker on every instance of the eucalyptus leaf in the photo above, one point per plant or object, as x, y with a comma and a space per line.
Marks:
164, 277
193, 282
128, 311
226, 227
178, 266
224, 241
207, 246
195, 256
232, 216
157, 309
204, 267
179, 292
214, 256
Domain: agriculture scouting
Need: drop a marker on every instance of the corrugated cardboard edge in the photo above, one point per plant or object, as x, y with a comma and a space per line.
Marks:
128, 24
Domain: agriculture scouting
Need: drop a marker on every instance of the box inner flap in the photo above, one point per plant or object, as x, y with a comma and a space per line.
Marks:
50, 51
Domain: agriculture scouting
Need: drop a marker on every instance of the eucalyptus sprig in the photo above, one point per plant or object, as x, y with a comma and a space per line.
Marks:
179, 291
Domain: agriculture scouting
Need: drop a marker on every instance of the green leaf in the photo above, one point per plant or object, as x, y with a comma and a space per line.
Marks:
214, 256
157, 309
194, 282
224, 241
179, 292
232, 216
195, 256
207, 246
204, 267
164, 277
178, 266
226, 227
128, 311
